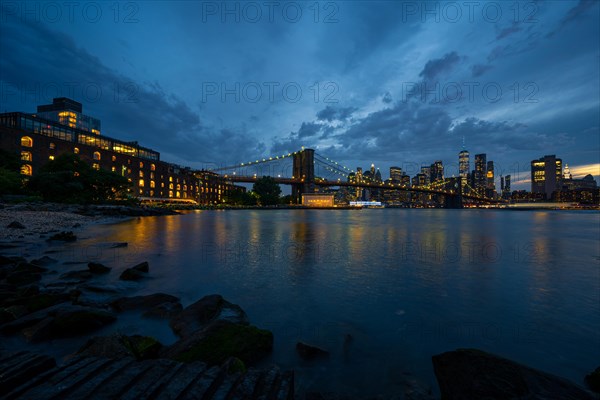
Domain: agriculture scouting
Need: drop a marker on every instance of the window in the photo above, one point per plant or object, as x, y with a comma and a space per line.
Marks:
52, 146
152, 193
114, 158
76, 150
141, 174
141, 164
141, 183
113, 168
26, 141
26, 156
97, 156
26, 169
96, 166
170, 186
151, 175
152, 167
152, 184
50, 158
162, 184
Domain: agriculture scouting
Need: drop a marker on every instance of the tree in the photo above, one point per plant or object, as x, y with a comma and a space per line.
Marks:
241, 198
267, 190
67, 179
11, 181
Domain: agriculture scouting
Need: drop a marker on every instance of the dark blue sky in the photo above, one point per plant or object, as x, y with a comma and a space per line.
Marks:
390, 83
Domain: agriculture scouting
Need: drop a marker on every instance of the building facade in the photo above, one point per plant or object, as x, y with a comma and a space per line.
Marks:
39, 140
546, 175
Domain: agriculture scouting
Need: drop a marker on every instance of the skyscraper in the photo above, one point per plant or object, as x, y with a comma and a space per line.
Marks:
463, 166
480, 174
546, 175
395, 174
437, 171
490, 186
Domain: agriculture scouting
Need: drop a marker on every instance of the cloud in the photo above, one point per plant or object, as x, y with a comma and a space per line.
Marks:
575, 14
387, 98
134, 110
513, 28
331, 113
479, 69
435, 67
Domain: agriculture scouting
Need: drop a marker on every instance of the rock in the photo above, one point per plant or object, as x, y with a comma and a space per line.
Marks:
309, 352
119, 244
142, 267
97, 268
220, 340
77, 225
131, 274
119, 346
31, 268
143, 302
66, 236
19, 278
68, 321
164, 310
16, 225
99, 289
209, 308
80, 275
6, 260
474, 374
593, 380
44, 261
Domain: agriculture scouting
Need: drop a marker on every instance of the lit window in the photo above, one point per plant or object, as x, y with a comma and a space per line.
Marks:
113, 168
152, 193
26, 141
170, 193
152, 184
114, 158
76, 150
141, 183
152, 167
141, 174
75, 173
96, 166
170, 179
52, 146
151, 175
97, 155
128, 170
141, 191
51, 157
170, 186
178, 195
178, 187
141, 164
162, 184
26, 169
26, 156
128, 162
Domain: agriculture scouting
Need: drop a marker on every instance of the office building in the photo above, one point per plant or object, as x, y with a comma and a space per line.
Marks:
546, 175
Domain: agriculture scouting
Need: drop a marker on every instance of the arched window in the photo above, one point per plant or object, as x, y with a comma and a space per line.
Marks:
97, 156
114, 158
152, 167
26, 156
141, 164
141, 183
76, 150
52, 146
26, 141
141, 174
96, 166
26, 169
152, 184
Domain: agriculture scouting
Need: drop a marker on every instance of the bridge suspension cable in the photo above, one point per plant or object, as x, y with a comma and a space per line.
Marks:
258, 161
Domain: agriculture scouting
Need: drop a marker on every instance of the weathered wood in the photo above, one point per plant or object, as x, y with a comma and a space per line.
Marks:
31, 376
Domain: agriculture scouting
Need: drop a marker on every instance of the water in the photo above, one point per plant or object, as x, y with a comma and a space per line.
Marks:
404, 284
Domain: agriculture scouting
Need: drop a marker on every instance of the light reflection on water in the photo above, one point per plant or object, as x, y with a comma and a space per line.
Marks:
405, 284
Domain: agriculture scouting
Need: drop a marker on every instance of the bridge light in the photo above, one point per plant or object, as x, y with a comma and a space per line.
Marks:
242, 164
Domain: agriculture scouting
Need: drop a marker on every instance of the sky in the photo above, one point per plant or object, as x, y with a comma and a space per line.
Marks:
400, 83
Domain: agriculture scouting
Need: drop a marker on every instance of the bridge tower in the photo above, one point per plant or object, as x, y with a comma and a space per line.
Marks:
303, 168
455, 200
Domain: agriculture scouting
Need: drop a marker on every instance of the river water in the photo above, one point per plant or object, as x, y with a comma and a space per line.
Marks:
382, 290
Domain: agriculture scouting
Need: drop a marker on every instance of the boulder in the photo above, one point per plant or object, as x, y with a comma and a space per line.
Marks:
97, 268
142, 267
66, 236
221, 340
28, 267
593, 380
308, 352
68, 321
119, 346
80, 275
131, 274
474, 374
209, 308
20, 278
44, 261
16, 225
143, 302
163, 310
118, 245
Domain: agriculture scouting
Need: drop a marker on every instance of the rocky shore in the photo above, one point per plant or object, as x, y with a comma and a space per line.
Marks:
217, 350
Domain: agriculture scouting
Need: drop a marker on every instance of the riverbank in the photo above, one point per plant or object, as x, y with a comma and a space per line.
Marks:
32, 219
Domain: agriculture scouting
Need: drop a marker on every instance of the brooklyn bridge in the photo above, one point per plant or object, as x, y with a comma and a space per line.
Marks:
310, 171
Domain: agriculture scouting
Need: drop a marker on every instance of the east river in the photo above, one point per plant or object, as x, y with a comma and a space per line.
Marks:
382, 290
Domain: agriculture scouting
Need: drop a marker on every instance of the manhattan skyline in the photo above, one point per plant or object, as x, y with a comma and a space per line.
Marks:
384, 83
